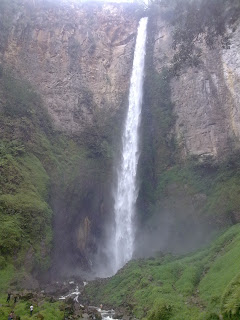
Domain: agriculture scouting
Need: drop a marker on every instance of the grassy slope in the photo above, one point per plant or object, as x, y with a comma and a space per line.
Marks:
202, 285
50, 311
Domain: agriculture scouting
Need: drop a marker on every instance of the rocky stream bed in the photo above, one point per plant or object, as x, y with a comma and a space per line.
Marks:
75, 302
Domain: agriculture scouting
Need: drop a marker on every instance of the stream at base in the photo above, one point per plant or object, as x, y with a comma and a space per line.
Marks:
75, 295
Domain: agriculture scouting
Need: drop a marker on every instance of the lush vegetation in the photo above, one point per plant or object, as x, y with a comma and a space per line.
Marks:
219, 182
24, 182
45, 310
203, 285
42, 309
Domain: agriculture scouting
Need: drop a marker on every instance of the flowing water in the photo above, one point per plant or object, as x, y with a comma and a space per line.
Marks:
126, 191
75, 294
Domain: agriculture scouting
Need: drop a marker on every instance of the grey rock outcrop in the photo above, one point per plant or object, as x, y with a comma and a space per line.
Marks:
231, 70
206, 98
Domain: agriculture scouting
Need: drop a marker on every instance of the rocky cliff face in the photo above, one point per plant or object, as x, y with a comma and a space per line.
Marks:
206, 98
77, 56
190, 141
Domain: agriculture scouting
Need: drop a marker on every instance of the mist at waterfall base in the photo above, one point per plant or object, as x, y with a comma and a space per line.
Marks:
164, 234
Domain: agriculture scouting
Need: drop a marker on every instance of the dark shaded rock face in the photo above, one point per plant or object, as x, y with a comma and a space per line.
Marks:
79, 227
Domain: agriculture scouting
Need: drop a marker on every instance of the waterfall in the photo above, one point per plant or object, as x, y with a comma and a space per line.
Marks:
126, 191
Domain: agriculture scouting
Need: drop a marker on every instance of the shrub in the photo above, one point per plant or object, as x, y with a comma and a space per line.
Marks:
161, 311
10, 234
3, 262
212, 316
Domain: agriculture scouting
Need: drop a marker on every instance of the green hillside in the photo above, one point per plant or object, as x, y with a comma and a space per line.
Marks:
202, 285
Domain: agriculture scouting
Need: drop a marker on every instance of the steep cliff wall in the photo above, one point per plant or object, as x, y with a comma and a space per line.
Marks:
73, 60
77, 57
205, 98
190, 135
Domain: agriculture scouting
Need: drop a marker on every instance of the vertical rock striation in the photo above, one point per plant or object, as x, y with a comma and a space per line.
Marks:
206, 97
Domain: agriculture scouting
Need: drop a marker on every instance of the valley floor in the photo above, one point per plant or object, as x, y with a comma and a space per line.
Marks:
204, 285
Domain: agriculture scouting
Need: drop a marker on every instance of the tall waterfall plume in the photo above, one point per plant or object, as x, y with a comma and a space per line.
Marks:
126, 190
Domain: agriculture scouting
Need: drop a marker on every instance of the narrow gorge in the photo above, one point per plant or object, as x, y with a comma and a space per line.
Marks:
119, 158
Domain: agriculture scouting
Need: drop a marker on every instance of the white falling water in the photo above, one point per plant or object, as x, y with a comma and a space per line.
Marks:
126, 192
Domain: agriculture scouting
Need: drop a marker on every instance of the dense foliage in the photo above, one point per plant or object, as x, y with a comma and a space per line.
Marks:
24, 182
